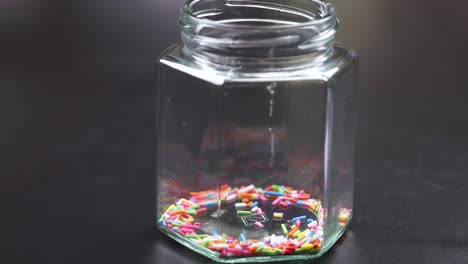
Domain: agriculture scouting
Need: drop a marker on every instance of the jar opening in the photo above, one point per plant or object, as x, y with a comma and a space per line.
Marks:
258, 14
239, 31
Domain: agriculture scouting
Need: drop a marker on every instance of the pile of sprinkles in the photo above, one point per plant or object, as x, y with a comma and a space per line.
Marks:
300, 234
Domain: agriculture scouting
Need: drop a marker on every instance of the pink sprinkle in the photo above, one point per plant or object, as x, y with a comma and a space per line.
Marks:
186, 230
275, 202
301, 192
259, 225
259, 211
235, 250
238, 251
263, 198
189, 226
298, 223
313, 224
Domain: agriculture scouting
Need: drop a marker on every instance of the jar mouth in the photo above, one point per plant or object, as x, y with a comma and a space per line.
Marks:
254, 15
267, 32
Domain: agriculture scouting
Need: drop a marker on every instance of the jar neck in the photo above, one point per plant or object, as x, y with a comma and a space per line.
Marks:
258, 32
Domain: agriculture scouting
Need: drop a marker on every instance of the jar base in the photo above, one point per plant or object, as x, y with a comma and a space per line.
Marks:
248, 224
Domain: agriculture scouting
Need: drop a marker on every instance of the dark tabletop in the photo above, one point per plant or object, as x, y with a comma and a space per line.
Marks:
77, 131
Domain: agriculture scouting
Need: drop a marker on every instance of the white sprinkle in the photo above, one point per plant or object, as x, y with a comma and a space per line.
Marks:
219, 245
231, 198
246, 189
241, 205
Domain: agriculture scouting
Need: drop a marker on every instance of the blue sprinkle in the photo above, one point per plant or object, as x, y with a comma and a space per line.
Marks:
253, 205
272, 193
242, 237
209, 195
211, 204
310, 220
302, 217
214, 233
163, 222
311, 233
299, 203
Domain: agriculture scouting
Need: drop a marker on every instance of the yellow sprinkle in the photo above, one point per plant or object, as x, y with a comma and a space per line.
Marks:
307, 246
295, 234
305, 232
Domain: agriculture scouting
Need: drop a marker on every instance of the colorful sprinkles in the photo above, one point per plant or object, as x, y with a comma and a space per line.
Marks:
300, 234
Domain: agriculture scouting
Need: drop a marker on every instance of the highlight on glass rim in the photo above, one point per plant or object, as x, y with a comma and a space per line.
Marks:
255, 130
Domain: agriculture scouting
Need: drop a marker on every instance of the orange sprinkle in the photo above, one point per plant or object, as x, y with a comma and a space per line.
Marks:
295, 228
245, 201
200, 193
177, 212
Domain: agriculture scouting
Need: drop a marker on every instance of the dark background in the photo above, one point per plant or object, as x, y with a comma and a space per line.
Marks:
77, 131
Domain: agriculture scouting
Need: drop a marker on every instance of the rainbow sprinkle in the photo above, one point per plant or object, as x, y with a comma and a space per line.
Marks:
299, 234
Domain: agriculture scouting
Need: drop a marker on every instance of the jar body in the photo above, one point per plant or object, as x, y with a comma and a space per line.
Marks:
215, 136
255, 161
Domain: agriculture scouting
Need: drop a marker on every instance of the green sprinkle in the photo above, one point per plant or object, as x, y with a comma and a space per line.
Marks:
191, 212
276, 188
269, 252
202, 236
279, 251
301, 236
260, 248
192, 236
301, 250
315, 250
285, 230
244, 213
224, 237
206, 243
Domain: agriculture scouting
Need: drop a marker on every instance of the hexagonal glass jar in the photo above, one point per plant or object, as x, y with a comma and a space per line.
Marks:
255, 123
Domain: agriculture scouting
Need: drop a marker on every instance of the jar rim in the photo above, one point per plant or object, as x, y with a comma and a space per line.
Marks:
328, 13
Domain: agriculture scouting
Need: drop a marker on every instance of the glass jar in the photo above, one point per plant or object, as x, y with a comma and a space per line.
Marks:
255, 123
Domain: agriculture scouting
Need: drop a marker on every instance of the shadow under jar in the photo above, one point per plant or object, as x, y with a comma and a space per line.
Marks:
255, 123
